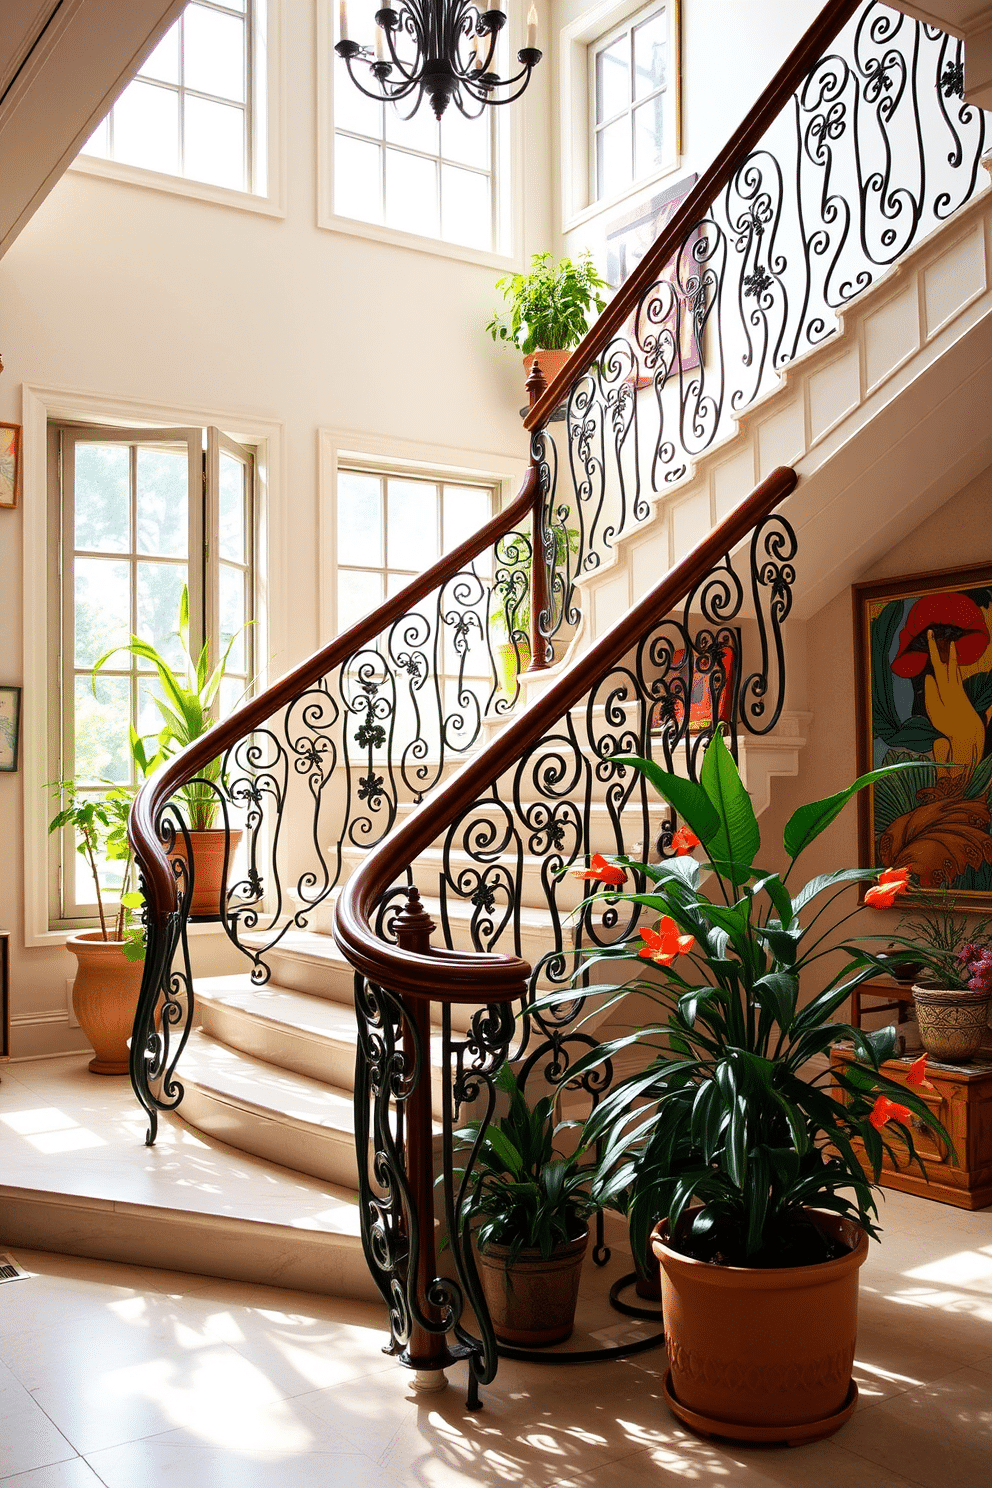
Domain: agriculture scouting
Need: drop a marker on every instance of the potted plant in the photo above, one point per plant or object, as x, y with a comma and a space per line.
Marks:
185, 704
547, 310
765, 1209
526, 1206
105, 990
952, 973
510, 609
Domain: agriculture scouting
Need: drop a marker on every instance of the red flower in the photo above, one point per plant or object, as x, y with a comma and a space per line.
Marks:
665, 943
887, 1110
600, 871
918, 1073
891, 882
684, 841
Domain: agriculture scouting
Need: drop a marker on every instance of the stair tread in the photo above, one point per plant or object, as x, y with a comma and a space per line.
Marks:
272, 1003
265, 1088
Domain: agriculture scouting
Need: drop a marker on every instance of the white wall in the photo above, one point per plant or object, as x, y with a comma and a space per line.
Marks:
124, 292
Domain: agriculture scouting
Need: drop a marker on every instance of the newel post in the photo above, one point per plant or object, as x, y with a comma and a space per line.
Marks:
427, 1352
539, 602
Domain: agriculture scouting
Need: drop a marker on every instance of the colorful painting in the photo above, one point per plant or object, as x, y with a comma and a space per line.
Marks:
924, 656
628, 240
10, 463
701, 698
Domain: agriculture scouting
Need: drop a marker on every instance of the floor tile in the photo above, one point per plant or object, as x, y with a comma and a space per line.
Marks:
28, 1438
72, 1474
160, 1462
939, 1436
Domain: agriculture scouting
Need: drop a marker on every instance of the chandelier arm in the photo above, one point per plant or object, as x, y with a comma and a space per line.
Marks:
486, 96
383, 96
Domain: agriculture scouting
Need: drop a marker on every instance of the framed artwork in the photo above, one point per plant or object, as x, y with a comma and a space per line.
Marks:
10, 726
700, 700
4, 992
923, 676
628, 240
10, 463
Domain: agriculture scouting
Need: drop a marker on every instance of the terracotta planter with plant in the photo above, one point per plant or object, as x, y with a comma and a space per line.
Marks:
105, 998
526, 1207
548, 309
721, 1134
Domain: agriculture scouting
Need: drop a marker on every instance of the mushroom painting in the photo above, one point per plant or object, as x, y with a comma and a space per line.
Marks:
926, 648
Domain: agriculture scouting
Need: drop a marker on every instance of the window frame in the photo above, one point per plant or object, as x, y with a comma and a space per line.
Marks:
626, 29
579, 42
265, 193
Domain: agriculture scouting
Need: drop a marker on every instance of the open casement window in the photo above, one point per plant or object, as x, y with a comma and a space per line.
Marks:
633, 93
141, 512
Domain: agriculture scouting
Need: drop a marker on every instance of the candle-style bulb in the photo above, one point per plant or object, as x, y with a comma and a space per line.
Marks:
343, 20
532, 27
380, 43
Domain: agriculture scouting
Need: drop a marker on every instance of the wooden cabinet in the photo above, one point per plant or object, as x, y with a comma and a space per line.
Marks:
962, 1100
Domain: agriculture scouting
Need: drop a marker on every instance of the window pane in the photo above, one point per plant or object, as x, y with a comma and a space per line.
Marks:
649, 136
411, 531
103, 504
233, 502
359, 518
233, 613
418, 133
649, 55
163, 502
99, 141
357, 185
466, 509
613, 157
102, 750
466, 207
163, 64
612, 79
150, 721
352, 110
146, 127
214, 53
159, 588
214, 143
411, 194
358, 593
466, 141
103, 609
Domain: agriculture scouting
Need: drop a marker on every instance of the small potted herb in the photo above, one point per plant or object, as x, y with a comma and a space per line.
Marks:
547, 310
527, 1207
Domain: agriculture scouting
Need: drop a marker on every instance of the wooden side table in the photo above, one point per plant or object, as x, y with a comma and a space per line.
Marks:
899, 994
962, 1100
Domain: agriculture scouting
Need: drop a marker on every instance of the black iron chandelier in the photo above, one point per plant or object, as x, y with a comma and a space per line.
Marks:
444, 48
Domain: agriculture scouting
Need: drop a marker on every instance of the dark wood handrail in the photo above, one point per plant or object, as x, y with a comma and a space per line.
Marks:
484, 977
832, 18
160, 882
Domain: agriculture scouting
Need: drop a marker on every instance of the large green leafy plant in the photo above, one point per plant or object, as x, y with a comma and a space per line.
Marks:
185, 705
524, 1192
720, 1132
99, 824
548, 309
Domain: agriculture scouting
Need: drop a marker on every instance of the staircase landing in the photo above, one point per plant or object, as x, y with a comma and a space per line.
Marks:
78, 1179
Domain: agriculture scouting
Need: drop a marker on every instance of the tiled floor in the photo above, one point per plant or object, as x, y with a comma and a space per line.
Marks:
127, 1376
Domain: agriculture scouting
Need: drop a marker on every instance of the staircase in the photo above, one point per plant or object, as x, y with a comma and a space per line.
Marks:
699, 382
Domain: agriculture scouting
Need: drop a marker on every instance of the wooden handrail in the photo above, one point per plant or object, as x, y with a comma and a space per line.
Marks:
161, 889
832, 18
485, 977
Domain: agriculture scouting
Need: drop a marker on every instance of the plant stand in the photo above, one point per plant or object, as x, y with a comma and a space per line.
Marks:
962, 1100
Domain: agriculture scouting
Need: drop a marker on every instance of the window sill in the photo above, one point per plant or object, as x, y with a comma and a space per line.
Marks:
354, 228
642, 189
52, 939
218, 196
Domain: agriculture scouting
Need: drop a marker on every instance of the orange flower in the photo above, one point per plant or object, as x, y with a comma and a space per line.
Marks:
684, 841
600, 871
887, 1110
665, 943
918, 1073
891, 882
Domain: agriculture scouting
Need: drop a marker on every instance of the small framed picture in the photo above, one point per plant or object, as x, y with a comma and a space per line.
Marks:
10, 463
4, 993
10, 726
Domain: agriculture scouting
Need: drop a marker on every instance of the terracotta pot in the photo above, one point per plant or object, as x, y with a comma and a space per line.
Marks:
105, 998
550, 363
533, 1301
209, 889
762, 1354
952, 1022
505, 657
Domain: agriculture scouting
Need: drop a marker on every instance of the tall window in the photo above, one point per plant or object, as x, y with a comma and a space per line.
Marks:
143, 512
414, 175
192, 109
632, 87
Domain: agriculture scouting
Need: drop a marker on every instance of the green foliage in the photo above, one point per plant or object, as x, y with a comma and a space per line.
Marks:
524, 1192
510, 611
185, 708
100, 826
721, 1119
548, 309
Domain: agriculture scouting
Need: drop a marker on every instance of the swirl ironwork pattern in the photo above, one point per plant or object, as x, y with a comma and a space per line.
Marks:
877, 149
